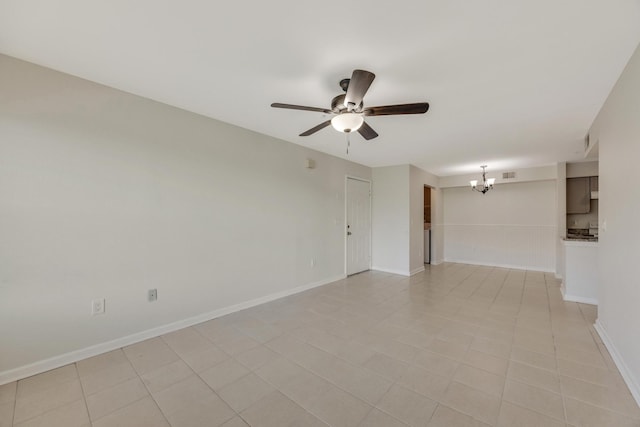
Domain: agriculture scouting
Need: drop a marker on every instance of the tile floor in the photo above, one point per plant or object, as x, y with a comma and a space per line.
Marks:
457, 345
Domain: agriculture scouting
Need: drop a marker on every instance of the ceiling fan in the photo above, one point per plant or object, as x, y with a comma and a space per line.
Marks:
349, 111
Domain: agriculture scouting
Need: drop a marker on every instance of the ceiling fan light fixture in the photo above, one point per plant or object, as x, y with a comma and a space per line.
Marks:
347, 122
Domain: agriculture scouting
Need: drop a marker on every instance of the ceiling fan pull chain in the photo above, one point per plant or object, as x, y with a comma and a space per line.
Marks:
348, 142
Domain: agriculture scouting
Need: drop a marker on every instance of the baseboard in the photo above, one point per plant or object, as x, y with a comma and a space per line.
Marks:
628, 377
416, 271
94, 350
573, 298
392, 271
583, 300
485, 264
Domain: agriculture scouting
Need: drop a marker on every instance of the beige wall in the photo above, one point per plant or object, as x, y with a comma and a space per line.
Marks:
617, 128
513, 225
106, 195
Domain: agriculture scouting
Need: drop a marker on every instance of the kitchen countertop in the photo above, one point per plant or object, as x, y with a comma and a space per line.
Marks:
583, 241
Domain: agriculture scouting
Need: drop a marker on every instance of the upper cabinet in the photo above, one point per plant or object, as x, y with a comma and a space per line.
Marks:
579, 195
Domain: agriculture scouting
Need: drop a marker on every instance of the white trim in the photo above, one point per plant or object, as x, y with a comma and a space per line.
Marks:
94, 350
386, 270
517, 267
583, 300
628, 377
574, 298
346, 187
416, 271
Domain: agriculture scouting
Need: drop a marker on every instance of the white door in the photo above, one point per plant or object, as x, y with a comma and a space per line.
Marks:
358, 226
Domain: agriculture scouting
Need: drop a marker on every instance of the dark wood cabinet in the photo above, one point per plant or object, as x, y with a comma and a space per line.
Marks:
579, 195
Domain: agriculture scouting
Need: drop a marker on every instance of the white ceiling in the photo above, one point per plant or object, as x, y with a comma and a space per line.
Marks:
511, 83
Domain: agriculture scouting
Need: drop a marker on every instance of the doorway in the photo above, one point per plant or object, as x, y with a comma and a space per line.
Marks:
427, 225
358, 225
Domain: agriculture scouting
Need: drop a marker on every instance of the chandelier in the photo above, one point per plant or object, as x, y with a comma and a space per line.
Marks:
487, 184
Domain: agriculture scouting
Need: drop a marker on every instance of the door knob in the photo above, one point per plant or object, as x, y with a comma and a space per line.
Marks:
348, 233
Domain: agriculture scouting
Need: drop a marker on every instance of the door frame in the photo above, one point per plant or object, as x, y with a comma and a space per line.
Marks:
344, 231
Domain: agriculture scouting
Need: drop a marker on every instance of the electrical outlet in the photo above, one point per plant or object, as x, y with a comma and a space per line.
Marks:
97, 306
153, 295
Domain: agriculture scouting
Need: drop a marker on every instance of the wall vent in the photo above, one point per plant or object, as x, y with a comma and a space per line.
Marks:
508, 175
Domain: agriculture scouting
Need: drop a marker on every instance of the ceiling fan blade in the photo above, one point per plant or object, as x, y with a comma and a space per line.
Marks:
367, 131
358, 87
388, 110
316, 128
301, 107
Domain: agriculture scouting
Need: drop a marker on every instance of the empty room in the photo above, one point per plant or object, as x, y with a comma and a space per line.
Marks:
276, 214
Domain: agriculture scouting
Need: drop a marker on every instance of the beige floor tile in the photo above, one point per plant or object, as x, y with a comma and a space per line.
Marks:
386, 366
71, 415
6, 414
362, 383
448, 349
161, 378
537, 343
8, 392
539, 360
256, 357
182, 394
377, 418
584, 415
534, 398
355, 352
235, 344
209, 411
187, 340
119, 396
100, 362
513, 415
223, 373
339, 408
447, 417
276, 410
304, 388
457, 336
424, 382
585, 357
107, 376
467, 400
374, 340
396, 349
41, 382
279, 371
150, 355
436, 363
202, 360
415, 338
33, 403
534, 376
407, 406
619, 400
480, 380
490, 346
486, 362
244, 392
591, 374
235, 422
143, 413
